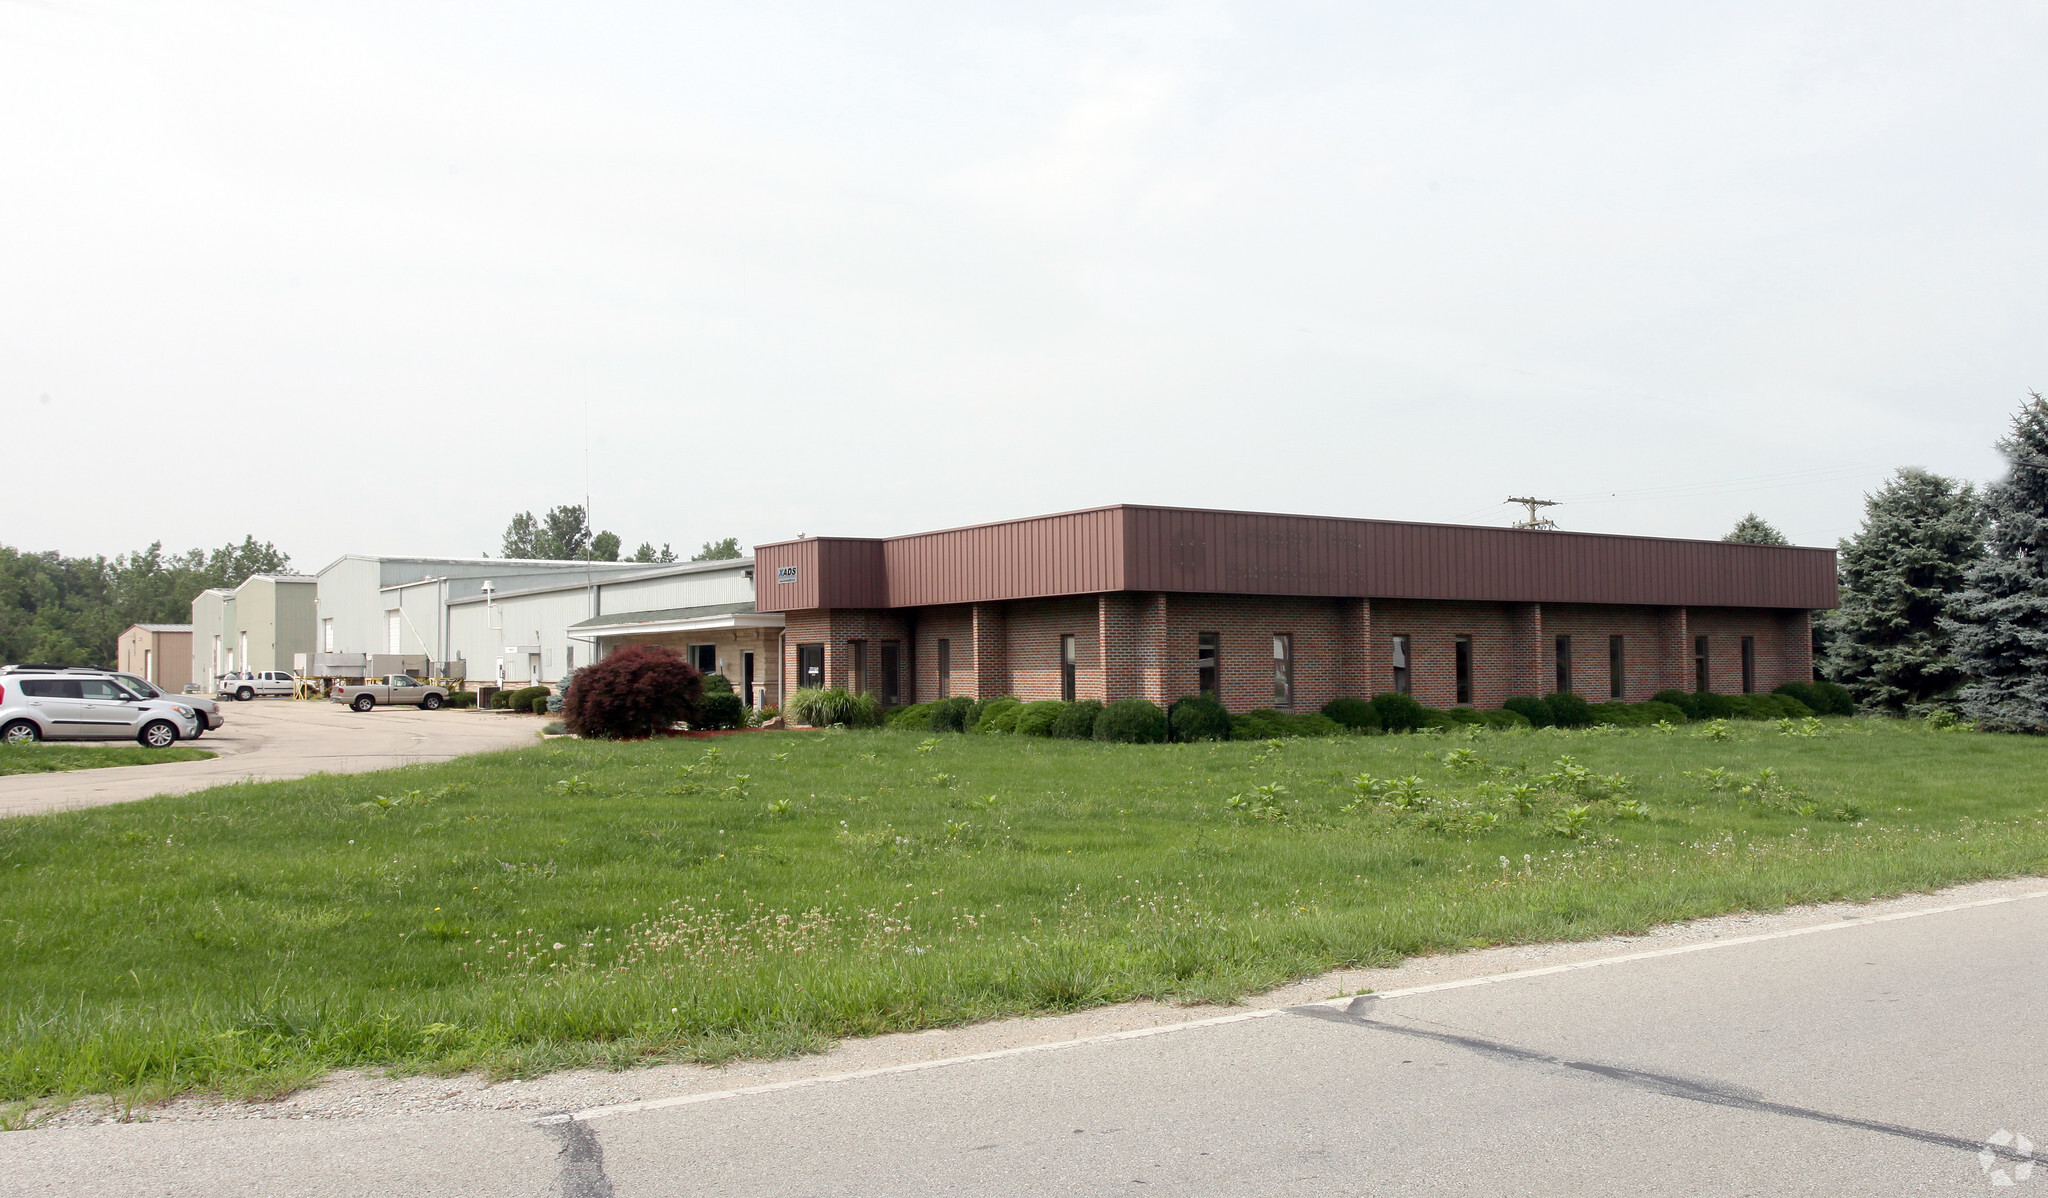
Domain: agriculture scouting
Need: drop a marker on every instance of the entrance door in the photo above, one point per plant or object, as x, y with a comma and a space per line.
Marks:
747, 678
892, 673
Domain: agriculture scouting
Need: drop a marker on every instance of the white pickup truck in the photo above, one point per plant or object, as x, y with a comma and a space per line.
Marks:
251, 683
398, 688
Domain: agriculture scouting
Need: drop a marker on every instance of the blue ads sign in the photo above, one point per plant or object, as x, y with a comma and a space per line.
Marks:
785, 574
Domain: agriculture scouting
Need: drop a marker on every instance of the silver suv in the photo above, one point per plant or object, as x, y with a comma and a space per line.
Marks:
208, 719
69, 705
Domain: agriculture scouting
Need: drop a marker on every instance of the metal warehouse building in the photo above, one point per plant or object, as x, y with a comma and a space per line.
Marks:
1288, 611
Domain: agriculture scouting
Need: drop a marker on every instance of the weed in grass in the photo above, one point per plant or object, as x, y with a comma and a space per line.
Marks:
1266, 801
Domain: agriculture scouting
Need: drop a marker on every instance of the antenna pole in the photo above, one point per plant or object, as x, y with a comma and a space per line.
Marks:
1534, 522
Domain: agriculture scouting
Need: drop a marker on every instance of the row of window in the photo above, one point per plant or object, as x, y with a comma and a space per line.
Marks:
1209, 665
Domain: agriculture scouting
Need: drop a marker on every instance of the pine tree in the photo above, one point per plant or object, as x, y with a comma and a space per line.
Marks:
2000, 619
1755, 530
1886, 642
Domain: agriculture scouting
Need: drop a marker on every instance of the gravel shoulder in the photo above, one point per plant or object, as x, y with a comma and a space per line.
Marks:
350, 1095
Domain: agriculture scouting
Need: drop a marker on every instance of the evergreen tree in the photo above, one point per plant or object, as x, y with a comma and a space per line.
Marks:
2000, 619
1886, 642
718, 551
1755, 530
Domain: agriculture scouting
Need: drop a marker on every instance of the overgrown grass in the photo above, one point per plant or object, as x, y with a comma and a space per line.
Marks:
50, 758
766, 893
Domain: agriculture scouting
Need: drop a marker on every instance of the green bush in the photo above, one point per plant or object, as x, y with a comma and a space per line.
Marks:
1036, 719
1767, 707
1504, 719
1824, 698
1198, 717
540, 705
823, 707
721, 709
1266, 723
1397, 712
462, 698
951, 714
1532, 709
1131, 722
1568, 710
993, 713
520, 700
1077, 721
914, 717
1355, 714
1682, 700
717, 684
1433, 718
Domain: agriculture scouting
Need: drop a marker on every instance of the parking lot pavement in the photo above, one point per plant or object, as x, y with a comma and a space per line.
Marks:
268, 739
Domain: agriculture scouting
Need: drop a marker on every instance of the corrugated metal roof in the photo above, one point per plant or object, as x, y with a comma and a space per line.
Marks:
1130, 547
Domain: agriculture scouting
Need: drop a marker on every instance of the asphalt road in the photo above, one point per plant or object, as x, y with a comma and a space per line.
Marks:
1867, 1056
267, 739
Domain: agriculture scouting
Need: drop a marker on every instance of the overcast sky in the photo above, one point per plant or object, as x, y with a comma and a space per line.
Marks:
350, 276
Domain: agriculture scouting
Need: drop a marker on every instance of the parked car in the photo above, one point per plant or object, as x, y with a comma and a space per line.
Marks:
210, 717
398, 688
251, 683
72, 705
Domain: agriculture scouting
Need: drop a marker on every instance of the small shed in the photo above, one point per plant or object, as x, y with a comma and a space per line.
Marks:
161, 653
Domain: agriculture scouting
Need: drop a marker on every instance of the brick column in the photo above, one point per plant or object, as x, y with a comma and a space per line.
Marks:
1354, 649
1795, 651
1674, 655
1155, 648
1529, 664
991, 651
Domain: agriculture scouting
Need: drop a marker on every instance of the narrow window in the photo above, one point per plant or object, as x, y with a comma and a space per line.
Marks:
1283, 671
1616, 676
1463, 649
568, 661
1207, 649
327, 635
1564, 664
392, 626
892, 673
1067, 667
1699, 664
810, 666
857, 666
1399, 657
945, 666
1749, 665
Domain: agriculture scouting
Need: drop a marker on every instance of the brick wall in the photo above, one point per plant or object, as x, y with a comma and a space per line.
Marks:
1144, 645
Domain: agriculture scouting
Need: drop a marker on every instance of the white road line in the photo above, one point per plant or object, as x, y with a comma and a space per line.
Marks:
652, 1104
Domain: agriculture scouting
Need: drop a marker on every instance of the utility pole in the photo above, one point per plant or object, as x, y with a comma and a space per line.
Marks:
1534, 522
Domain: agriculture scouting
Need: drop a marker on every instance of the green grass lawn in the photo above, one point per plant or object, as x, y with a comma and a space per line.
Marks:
48, 758
765, 893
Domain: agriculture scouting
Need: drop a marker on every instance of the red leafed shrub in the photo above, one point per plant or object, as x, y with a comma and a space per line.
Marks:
635, 691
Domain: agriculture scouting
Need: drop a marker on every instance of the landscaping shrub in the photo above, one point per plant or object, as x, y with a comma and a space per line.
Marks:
1398, 712
1036, 719
1532, 709
1503, 719
1682, 700
520, 700
823, 707
1077, 721
950, 715
1355, 714
636, 691
560, 694
1824, 698
1131, 722
914, 717
462, 699
1266, 723
722, 709
998, 715
717, 684
540, 704
1568, 710
1434, 718
1198, 717
1663, 712
1767, 707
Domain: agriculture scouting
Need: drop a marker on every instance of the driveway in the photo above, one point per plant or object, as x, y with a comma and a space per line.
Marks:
1888, 1048
269, 739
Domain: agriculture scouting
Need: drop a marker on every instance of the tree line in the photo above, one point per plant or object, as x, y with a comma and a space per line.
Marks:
71, 610
1944, 591
564, 534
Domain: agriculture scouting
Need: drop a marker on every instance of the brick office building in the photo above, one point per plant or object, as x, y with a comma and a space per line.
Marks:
1287, 611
